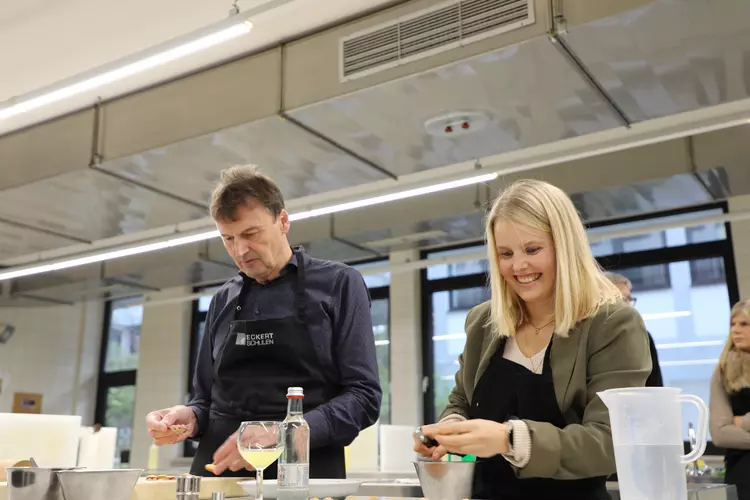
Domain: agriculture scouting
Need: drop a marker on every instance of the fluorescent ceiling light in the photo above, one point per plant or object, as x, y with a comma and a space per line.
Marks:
685, 345
450, 336
399, 195
113, 254
239, 27
184, 240
666, 315
690, 362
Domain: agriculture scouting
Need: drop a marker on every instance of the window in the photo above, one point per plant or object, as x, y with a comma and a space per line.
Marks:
450, 290
380, 310
448, 337
200, 313
672, 271
118, 367
461, 268
374, 279
654, 277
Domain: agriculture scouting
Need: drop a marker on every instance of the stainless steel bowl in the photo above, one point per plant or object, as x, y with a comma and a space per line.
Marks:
35, 483
91, 484
445, 480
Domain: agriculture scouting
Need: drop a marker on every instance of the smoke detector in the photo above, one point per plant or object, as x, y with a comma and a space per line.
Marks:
457, 123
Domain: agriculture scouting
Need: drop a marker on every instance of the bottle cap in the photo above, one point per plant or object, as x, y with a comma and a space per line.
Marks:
295, 392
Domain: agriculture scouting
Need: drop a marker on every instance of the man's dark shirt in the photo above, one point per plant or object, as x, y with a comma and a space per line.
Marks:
341, 327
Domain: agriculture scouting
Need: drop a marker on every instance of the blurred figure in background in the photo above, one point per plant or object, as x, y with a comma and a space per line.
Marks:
626, 288
730, 401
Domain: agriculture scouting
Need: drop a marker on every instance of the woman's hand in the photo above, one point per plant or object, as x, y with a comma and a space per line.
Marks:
737, 421
481, 438
435, 452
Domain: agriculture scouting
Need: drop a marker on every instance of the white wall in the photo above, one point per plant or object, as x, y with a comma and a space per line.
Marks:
406, 344
162, 369
43, 357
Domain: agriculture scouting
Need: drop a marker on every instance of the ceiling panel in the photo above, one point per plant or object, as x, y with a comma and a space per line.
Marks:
424, 233
16, 241
179, 273
77, 291
331, 249
91, 205
640, 198
177, 266
725, 182
527, 95
670, 56
300, 162
21, 301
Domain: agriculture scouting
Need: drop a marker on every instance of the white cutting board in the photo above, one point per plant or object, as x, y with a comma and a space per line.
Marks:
166, 490
51, 439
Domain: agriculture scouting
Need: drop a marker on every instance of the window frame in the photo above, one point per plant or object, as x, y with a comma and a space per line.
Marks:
196, 317
689, 252
107, 380
384, 293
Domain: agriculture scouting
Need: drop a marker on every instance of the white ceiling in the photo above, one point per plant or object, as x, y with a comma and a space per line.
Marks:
329, 141
55, 41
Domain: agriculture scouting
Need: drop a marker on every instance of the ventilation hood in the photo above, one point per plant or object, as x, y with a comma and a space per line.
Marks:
341, 110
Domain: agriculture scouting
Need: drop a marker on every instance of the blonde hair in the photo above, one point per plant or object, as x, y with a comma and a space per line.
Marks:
727, 378
580, 285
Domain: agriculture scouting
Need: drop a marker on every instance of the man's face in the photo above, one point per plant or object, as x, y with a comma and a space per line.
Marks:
256, 240
625, 291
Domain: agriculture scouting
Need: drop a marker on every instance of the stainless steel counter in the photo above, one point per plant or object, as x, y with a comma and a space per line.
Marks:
407, 490
696, 491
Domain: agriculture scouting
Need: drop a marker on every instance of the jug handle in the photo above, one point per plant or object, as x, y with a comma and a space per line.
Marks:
701, 433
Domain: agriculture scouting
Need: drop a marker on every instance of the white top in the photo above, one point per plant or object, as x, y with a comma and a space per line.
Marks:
513, 353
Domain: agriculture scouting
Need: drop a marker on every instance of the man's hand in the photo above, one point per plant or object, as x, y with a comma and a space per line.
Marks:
228, 457
737, 421
481, 438
171, 425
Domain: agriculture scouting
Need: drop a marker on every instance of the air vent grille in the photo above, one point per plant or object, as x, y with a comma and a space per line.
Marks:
428, 32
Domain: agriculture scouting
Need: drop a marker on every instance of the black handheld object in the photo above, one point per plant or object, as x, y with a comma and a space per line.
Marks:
428, 442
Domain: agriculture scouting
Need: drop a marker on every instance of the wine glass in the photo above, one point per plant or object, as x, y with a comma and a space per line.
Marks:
260, 444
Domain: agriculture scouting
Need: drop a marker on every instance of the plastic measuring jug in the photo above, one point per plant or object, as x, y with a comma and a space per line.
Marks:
646, 427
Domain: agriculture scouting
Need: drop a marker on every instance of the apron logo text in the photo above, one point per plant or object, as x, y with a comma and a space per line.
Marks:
254, 339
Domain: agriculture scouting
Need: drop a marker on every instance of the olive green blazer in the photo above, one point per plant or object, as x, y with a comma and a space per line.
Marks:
607, 350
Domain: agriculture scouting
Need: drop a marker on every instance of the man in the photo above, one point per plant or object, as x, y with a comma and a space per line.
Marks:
286, 320
626, 288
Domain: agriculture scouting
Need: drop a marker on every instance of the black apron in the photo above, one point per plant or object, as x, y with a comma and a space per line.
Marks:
509, 391
256, 363
737, 462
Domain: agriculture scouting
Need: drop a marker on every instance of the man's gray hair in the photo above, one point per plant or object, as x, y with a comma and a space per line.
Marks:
618, 279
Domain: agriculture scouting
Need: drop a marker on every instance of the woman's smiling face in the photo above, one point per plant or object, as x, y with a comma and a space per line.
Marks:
527, 261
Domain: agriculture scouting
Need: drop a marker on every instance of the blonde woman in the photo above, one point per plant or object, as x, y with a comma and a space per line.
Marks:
730, 401
555, 332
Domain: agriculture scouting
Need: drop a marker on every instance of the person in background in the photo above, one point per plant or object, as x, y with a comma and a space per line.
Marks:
287, 319
729, 406
626, 288
554, 333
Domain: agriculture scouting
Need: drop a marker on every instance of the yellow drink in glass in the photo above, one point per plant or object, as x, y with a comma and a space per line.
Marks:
262, 458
